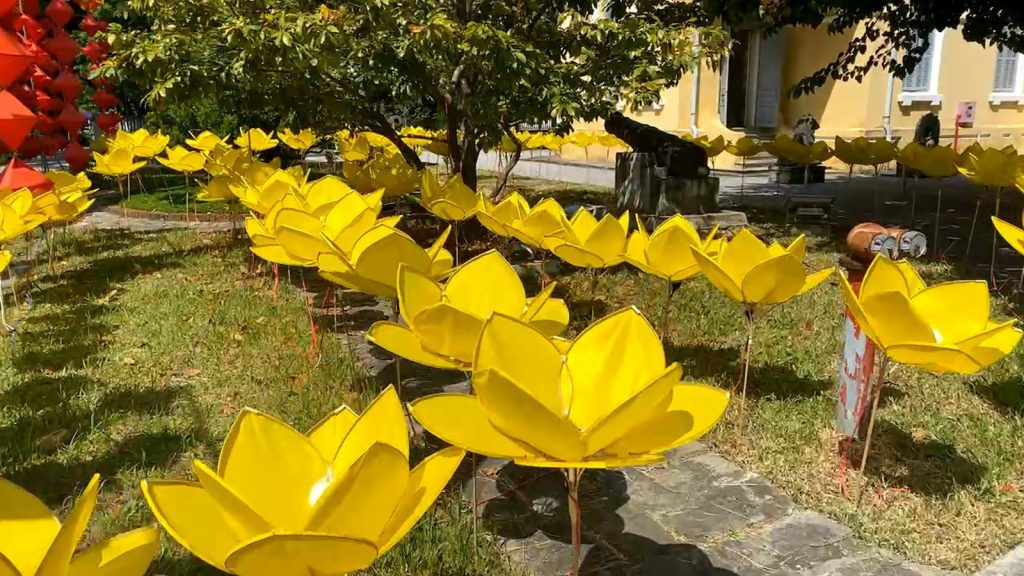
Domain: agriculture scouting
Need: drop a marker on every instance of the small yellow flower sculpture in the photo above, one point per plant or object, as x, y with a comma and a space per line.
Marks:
302, 140
454, 201
745, 146
443, 323
541, 226
666, 252
991, 167
33, 542
942, 328
587, 243
206, 141
18, 215
147, 145
182, 160
255, 139
117, 162
218, 189
498, 217
608, 401
281, 503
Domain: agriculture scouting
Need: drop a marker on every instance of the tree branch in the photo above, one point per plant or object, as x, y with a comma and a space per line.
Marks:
506, 172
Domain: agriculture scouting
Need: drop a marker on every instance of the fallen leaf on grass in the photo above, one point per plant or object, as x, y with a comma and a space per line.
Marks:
128, 361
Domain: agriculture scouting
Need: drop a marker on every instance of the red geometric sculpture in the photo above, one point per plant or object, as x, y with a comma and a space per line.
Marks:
45, 123
108, 122
91, 25
32, 147
30, 7
76, 156
59, 12
96, 51
71, 120
28, 26
6, 5
14, 58
104, 100
62, 46
19, 175
68, 85
16, 121
47, 103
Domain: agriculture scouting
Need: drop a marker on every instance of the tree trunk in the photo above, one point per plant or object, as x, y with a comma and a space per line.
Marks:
468, 161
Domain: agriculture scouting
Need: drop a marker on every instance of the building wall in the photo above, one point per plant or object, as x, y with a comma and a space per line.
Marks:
850, 109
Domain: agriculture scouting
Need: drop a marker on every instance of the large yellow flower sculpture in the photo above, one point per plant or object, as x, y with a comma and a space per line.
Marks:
301, 141
587, 243
541, 226
498, 217
117, 162
281, 503
206, 141
666, 252
991, 167
255, 139
33, 542
18, 215
942, 328
608, 400
744, 147
182, 160
454, 201
443, 322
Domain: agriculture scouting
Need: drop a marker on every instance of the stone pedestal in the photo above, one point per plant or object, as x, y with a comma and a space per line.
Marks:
793, 174
642, 187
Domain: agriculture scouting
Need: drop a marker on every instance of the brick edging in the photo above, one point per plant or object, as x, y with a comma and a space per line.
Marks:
174, 216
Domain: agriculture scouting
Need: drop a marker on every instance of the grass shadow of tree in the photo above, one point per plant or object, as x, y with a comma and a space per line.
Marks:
704, 362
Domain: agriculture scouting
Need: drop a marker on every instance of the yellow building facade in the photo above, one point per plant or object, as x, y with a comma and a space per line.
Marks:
748, 93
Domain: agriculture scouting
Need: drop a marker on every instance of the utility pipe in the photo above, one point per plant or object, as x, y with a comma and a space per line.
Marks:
695, 85
890, 87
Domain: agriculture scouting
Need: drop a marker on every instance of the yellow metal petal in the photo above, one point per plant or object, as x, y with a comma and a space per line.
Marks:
595, 462
992, 345
741, 254
57, 558
425, 484
884, 275
1012, 234
583, 223
670, 252
938, 358
814, 279
361, 504
486, 284
607, 240
548, 315
524, 355
383, 422
717, 276
609, 362
578, 256
448, 331
193, 519
518, 414
272, 467
328, 434
378, 253
26, 520
300, 554
7, 568
460, 420
416, 292
894, 320
405, 343
232, 504
853, 305
773, 281
954, 310
692, 413
798, 249
127, 554
651, 400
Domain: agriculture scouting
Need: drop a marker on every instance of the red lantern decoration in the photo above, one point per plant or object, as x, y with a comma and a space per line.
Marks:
14, 58
68, 85
28, 26
55, 143
76, 156
60, 12
30, 7
45, 123
40, 79
62, 46
47, 103
88, 5
19, 175
91, 25
108, 122
6, 5
71, 119
96, 51
104, 100
32, 147
24, 93
16, 121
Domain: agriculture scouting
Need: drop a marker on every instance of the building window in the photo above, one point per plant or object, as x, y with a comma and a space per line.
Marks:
922, 84
1009, 78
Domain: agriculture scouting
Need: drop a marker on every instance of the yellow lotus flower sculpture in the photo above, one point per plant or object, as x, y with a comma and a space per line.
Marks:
608, 401
371, 264
18, 215
745, 146
863, 151
117, 162
260, 196
206, 141
443, 322
322, 194
142, 143
218, 189
783, 146
932, 161
302, 140
182, 159
227, 161
255, 139
498, 217
68, 182
281, 503
287, 235
33, 542
942, 328
713, 147
587, 243
1013, 235
755, 275
542, 225
5, 259
453, 202
991, 167
61, 206
666, 252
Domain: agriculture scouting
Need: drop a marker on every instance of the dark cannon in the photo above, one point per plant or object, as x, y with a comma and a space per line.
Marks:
928, 130
679, 158
662, 174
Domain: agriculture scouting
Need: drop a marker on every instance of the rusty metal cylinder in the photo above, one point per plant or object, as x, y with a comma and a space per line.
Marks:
910, 243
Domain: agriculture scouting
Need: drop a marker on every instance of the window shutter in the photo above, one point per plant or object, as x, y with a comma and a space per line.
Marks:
920, 79
1006, 71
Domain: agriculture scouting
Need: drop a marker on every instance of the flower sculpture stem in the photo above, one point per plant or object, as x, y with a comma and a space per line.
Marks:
186, 200
995, 238
938, 213
970, 237
750, 319
877, 391
572, 480
455, 235
666, 315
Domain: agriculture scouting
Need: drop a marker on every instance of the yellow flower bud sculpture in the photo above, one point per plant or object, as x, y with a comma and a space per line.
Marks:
454, 201
608, 401
587, 243
280, 503
443, 322
666, 254
758, 277
300, 141
206, 141
33, 542
991, 168
185, 161
541, 228
943, 328
256, 140
498, 217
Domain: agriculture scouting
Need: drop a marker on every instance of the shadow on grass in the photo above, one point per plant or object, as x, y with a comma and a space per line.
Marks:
924, 466
534, 501
702, 362
1007, 395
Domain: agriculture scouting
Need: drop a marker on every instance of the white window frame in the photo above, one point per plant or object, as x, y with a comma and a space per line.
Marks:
1018, 86
931, 95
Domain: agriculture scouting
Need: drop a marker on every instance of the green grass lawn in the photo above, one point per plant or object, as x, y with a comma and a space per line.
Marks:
136, 356
172, 198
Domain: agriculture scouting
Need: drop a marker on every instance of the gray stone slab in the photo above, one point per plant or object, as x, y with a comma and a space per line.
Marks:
1012, 564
